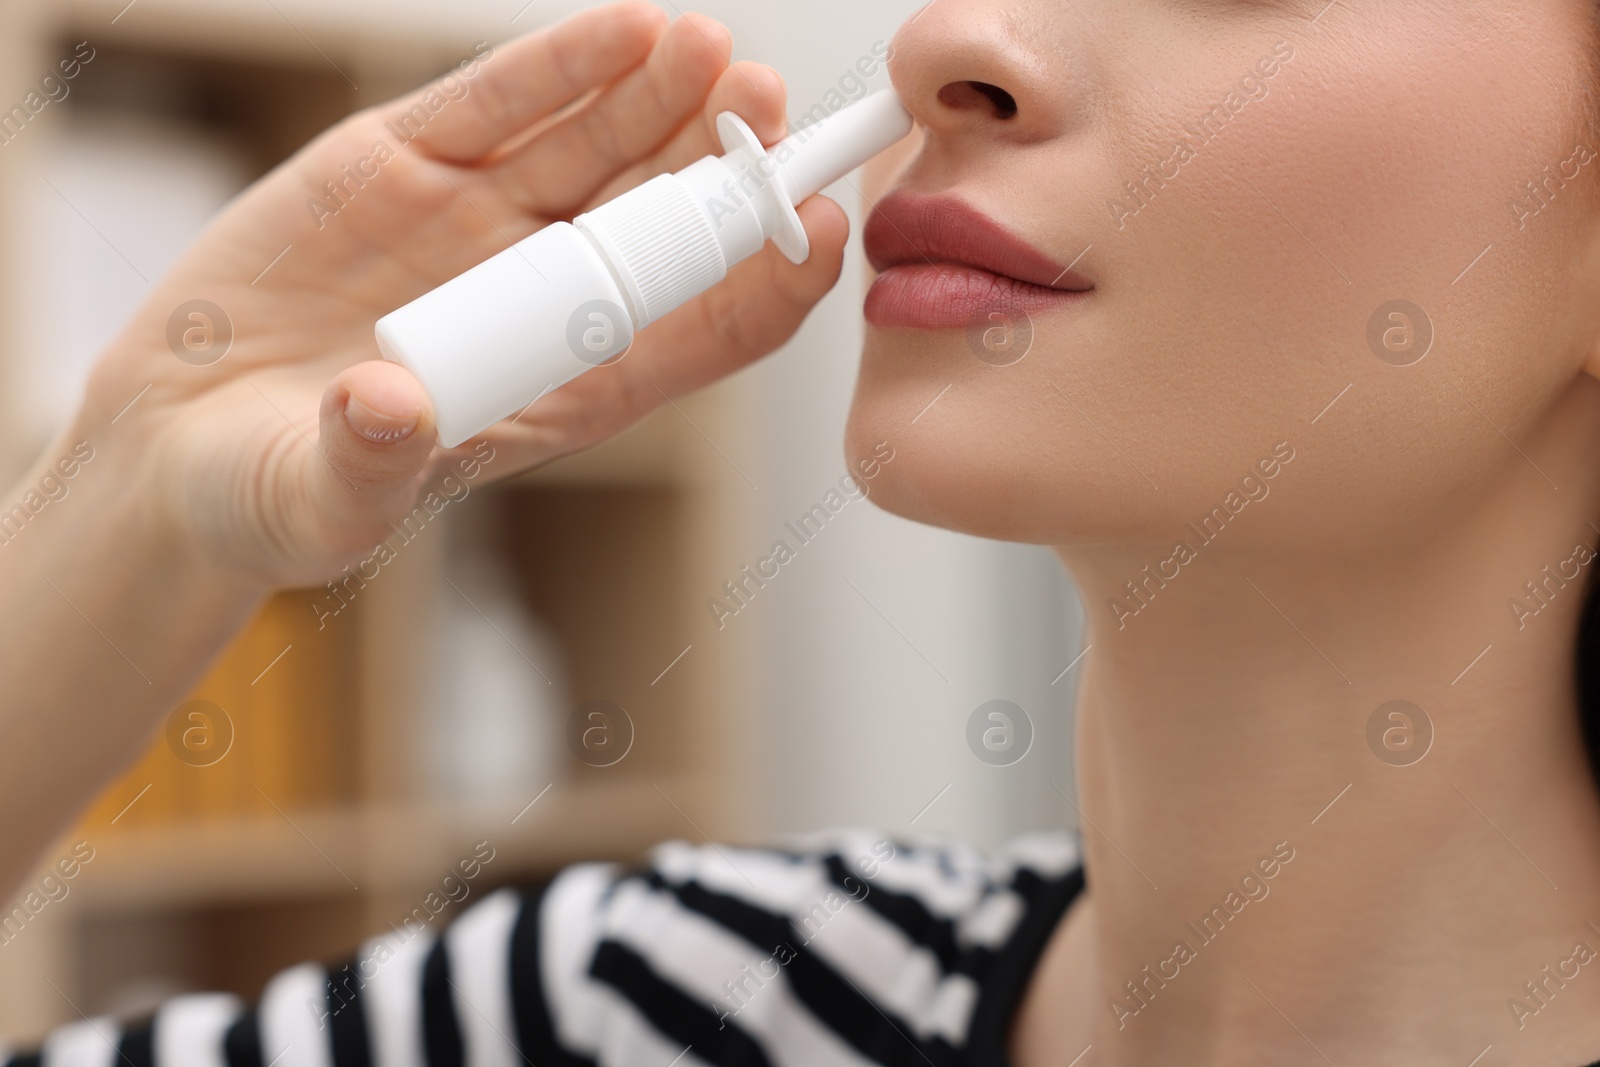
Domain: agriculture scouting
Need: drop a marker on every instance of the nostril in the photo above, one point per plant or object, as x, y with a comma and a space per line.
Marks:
969, 94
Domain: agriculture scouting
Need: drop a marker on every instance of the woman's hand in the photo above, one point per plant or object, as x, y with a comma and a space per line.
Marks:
220, 471
289, 456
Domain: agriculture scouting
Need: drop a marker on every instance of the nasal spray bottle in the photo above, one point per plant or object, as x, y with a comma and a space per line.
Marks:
493, 340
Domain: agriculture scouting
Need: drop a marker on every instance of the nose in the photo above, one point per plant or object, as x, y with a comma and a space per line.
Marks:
979, 69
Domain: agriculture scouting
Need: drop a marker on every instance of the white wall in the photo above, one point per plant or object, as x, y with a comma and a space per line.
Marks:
855, 725
109, 206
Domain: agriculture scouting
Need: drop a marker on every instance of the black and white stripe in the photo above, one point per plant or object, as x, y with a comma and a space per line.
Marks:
824, 954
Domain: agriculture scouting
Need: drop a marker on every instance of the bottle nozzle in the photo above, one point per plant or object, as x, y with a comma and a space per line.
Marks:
827, 150
813, 158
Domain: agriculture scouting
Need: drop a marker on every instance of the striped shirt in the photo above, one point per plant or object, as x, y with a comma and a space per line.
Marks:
846, 949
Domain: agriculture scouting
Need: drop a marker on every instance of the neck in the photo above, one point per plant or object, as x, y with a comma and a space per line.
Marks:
1270, 856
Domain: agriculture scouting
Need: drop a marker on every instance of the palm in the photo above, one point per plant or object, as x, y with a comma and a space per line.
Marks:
303, 285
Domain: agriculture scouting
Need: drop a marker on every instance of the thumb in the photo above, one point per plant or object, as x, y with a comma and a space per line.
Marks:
377, 433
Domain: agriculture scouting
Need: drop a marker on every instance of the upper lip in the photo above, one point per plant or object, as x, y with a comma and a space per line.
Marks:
910, 229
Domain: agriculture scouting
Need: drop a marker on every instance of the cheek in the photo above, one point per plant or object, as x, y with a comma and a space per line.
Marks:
1378, 169
1382, 170
1403, 193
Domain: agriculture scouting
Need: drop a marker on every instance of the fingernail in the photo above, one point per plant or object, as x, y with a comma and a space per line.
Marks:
375, 426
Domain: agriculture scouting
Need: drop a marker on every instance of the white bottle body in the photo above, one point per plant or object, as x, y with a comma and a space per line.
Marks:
526, 321
487, 344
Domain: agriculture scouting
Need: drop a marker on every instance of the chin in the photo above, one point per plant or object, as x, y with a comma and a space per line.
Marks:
991, 464
939, 478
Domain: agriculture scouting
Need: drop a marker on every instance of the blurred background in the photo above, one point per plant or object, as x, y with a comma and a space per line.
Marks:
540, 668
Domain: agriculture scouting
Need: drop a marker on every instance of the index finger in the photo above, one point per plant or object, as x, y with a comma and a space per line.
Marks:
753, 91
466, 114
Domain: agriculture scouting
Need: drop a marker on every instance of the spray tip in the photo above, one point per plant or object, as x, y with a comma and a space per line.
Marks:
815, 156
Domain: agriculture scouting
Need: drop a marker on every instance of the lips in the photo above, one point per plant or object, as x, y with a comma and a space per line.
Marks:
944, 265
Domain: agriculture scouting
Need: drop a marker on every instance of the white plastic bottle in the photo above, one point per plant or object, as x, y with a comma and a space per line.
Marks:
491, 341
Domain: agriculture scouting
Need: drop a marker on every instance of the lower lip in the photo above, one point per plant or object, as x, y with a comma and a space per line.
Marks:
953, 296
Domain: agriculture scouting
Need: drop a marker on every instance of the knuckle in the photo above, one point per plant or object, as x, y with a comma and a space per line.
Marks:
600, 131
496, 104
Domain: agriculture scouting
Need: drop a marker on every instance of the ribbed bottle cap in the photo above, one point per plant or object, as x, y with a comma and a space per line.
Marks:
660, 244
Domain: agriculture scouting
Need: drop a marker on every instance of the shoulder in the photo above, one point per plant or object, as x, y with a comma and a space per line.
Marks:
835, 949
849, 942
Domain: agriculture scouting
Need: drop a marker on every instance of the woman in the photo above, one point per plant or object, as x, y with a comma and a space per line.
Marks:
1305, 300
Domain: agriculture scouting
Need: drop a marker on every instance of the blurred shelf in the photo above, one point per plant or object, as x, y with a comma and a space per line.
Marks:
373, 849
321, 823
298, 31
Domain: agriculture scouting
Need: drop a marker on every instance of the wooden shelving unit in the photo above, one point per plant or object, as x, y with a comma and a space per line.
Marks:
315, 830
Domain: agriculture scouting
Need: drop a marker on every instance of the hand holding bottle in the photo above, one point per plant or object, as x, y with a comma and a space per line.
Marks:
288, 457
